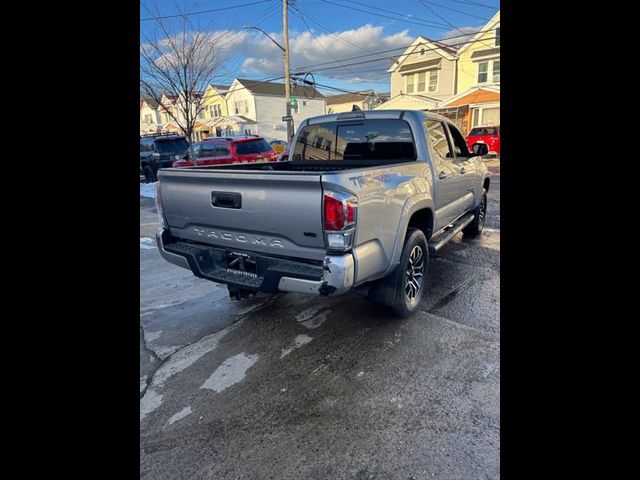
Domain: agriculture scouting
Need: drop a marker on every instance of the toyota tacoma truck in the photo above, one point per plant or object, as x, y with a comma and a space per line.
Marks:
364, 199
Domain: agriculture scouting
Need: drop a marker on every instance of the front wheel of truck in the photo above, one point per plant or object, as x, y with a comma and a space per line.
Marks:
477, 224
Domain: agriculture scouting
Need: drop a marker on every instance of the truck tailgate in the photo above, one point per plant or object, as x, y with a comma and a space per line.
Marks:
272, 213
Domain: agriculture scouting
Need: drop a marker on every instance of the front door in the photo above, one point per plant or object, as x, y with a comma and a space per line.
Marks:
447, 174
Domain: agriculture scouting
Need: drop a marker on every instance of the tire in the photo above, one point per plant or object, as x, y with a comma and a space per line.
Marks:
393, 290
480, 215
148, 174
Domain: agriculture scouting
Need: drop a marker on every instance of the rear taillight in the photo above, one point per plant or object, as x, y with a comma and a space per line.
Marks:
159, 207
340, 214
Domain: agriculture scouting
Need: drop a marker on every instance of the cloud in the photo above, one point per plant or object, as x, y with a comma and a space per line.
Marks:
251, 54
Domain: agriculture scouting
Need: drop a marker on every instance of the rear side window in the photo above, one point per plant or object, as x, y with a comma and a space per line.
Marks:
483, 131
253, 146
374, 139
437, 138
213, 149
173, 145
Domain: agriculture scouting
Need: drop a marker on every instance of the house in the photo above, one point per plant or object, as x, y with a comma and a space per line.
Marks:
479, 58
168, 103
476, 106
214, 105
149, 116
256, 107
344, 102
423, 76
478, 99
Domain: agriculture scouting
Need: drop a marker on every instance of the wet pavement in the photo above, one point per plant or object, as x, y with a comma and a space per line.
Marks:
289, 386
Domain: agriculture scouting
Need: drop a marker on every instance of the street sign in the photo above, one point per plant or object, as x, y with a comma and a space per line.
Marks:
287, 119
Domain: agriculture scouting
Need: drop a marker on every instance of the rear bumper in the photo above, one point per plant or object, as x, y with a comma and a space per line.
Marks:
333, 276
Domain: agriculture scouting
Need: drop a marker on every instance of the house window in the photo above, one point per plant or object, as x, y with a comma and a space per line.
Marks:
147, 118
247, 131
241, 107
410, 80
496, 71
482, 72
433, 80
498, 37
421, 81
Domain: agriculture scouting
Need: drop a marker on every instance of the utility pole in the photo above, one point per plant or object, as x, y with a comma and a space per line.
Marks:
287, 71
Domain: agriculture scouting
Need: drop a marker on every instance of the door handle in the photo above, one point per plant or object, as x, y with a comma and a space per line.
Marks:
442, 175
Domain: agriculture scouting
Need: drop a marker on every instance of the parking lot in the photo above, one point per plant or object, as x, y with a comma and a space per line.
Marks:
288, 386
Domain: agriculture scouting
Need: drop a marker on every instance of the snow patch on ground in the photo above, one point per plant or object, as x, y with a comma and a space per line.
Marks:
143, 383
181, 414
148, 190
151, 336
149, 402
147, 243
180, 360
299, 341
313, 317
232, 371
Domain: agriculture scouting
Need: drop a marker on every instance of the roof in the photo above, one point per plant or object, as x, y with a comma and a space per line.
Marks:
348, 97
148, 101
416, 66
439, 48
277, 89
220, 87
476, 94
488, 26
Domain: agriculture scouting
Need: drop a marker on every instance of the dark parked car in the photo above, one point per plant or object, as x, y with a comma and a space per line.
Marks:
224, 150
160, 151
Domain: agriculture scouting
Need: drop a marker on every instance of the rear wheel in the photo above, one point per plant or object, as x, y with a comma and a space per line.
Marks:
148, 174
404, 287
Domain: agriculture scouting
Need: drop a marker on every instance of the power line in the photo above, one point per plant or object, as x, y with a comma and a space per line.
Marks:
466, 2
402, 19
309, 67
461, 12
326, 29
302, 17
205, 11
426, 5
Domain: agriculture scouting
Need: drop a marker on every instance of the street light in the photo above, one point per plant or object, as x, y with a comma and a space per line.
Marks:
269, 36
287, 70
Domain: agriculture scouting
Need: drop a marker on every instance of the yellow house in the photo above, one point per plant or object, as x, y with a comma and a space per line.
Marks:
479, 58
215, 107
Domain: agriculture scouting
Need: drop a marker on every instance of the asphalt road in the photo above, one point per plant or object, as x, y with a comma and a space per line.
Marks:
295, 387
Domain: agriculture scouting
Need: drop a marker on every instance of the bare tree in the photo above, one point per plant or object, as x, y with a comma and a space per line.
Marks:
179, 65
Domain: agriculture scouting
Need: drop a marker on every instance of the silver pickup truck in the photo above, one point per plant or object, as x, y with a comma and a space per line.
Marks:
363, 199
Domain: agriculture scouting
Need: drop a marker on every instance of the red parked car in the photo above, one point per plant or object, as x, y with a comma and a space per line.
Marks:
488, 135
223, 150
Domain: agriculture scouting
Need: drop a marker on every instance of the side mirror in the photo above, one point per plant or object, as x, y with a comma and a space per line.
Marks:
480, 149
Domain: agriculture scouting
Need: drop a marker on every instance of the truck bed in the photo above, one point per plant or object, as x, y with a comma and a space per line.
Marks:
297, 167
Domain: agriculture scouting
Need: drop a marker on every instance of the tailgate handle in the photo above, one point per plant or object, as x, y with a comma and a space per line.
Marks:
226, 199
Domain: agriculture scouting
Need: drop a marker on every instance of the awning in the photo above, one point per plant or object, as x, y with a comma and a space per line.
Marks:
428, 64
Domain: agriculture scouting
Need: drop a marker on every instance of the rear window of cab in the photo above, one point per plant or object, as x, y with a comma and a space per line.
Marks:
369, 139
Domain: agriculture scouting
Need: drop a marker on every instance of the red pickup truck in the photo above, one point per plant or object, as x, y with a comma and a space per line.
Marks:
488, 135
225, 150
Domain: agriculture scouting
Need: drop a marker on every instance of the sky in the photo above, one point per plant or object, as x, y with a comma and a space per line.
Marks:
321, 34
